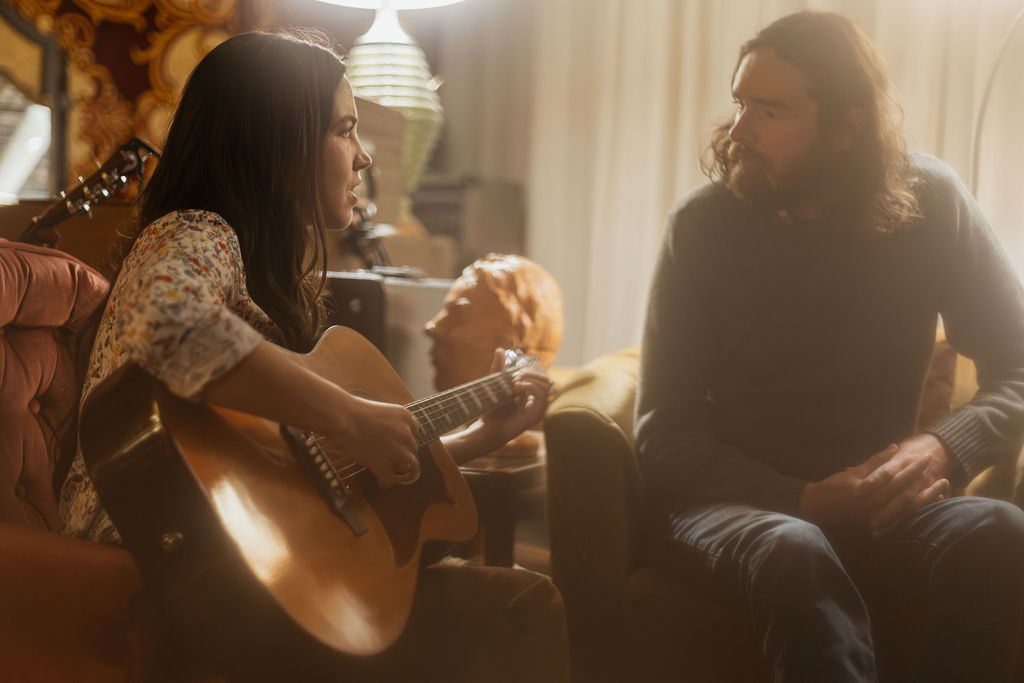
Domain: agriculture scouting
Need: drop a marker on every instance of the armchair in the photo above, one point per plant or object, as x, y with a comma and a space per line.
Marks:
629, 618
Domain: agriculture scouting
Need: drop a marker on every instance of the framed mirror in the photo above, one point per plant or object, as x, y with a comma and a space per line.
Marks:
33, 111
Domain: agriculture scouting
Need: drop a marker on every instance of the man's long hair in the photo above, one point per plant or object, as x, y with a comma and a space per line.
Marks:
845, 72
245, 143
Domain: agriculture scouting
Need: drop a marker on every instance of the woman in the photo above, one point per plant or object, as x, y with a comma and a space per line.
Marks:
221, 287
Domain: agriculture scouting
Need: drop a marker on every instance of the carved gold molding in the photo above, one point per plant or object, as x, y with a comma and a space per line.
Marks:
120, 11
178, 34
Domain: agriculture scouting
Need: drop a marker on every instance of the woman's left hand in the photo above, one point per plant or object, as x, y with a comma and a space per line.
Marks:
509, 421
498, 427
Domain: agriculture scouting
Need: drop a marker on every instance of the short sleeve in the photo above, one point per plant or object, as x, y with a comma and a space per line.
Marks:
173, 308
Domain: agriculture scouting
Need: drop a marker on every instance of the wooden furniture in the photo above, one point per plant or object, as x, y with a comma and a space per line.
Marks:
507, 490
480, 216
87, 239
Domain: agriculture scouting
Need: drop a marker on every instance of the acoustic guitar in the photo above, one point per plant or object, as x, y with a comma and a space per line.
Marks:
255, 537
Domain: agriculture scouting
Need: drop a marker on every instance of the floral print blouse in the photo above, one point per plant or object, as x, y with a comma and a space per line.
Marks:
180, 309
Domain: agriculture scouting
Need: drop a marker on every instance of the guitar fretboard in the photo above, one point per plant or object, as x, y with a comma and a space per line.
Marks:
444, 412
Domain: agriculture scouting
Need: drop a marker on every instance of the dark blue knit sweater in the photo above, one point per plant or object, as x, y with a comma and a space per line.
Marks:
777, 354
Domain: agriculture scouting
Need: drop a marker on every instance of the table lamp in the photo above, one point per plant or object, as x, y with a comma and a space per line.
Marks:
387, 66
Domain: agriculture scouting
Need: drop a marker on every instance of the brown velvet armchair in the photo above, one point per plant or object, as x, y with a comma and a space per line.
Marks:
70, 610
629, 618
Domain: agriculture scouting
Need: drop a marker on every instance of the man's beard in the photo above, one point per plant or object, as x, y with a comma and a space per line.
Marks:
750, 178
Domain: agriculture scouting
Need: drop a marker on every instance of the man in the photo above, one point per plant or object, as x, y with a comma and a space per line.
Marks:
790, 326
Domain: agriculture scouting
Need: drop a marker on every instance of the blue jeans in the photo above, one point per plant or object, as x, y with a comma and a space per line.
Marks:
959, 561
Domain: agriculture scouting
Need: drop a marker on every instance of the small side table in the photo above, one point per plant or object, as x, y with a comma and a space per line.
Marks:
506, 489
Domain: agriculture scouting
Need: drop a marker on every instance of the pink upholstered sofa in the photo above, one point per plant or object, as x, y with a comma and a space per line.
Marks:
70, 610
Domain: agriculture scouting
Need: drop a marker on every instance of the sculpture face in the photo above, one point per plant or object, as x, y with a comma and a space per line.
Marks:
505, 301
465, 333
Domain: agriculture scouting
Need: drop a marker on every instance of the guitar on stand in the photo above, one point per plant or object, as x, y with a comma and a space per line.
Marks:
111, 177
262, 544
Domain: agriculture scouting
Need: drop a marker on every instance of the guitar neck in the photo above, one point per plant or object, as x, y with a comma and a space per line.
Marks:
441, 413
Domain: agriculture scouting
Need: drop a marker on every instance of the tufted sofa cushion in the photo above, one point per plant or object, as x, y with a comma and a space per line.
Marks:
45, 297
70, 610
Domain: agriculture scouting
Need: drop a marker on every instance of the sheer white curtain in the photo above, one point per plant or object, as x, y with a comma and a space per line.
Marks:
601, 107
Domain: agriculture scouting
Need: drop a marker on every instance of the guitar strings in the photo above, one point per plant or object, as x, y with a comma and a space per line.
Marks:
469, 387
438, 412
497, 387
425, 420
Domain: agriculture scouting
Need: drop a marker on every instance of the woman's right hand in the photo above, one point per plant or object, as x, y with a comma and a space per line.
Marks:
379, 436
276, 384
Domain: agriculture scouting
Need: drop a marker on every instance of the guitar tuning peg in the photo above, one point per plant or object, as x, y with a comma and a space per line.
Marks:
62, 194
98, 164
81, 179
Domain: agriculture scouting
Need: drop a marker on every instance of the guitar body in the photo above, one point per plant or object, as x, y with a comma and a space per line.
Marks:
245, 553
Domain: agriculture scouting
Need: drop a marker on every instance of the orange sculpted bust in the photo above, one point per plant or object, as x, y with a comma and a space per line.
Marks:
499, 300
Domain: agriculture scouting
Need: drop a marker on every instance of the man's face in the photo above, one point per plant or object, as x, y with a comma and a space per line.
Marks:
777, 154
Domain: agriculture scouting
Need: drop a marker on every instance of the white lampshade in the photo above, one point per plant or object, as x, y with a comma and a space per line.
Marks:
393, 4
387, 66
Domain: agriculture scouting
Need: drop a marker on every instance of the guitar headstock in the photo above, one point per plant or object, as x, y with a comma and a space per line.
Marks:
516, 361
126, 163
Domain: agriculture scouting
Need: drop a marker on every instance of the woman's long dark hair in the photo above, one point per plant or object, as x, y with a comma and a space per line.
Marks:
245, 143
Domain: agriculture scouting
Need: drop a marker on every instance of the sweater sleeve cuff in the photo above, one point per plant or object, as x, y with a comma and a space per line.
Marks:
967, 441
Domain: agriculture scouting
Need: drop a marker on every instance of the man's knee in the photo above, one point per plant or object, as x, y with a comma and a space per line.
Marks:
1008, 523
993, 532
790, 551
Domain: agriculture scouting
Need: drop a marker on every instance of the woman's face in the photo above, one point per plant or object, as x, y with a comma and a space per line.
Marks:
341, 159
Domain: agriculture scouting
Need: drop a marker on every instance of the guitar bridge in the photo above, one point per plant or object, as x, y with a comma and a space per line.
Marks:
324, 477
